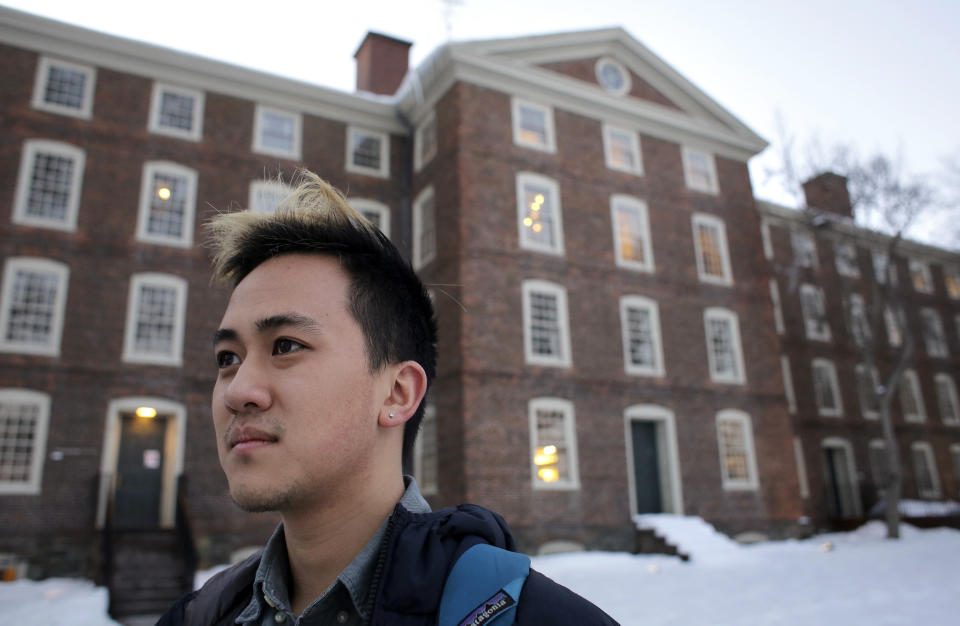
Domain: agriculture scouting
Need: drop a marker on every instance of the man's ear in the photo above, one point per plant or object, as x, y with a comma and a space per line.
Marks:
409, 387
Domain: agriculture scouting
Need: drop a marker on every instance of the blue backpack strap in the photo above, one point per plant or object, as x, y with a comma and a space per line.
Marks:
483, 586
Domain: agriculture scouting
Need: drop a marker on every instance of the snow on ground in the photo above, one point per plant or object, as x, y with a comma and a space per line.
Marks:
844, 578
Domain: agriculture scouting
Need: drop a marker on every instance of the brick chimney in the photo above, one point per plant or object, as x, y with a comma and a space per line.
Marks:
828, 192
382, 62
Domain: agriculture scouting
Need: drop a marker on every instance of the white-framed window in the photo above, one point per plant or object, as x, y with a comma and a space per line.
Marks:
64, 87
700, 170
777, 308
925, 470
724, 354
804, 483
277, 132
951, 282
804, 248
32, 302
546, 329
376, 213
612, 76
920, 276
425, 142
894, 321
947, 399
48, 185
156, 309
176, 112
826, 389
539, 215
882, 268
553, 444
424, 228
426, 452
879, 465
788, 391
955, 455
533, 126
368, 152
640, 331
845, 255
766, 239
859, 325
738, 460
621, 149
934, 338
24, 419
631, 233
266, 195
710, 248
814, 313
168, 197
911, 398
868, 381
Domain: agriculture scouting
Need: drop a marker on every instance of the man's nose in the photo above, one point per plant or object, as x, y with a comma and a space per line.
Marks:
248, 390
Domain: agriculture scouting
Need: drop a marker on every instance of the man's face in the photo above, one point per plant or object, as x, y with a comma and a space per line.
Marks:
295, 406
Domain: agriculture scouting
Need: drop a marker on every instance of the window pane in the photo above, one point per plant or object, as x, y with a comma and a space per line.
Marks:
947, 400
711, 259
721, 344
922, 463
551, 454
156, 317
699, 175
50, 185
533, 126
826, 392
538, 220
545, 325
428, 228
168, 203
65, 87
733, 450
277, 131
630, 233
640, 334
18, 425
176, 111
621, 149
32, 307
804, 249
366, 151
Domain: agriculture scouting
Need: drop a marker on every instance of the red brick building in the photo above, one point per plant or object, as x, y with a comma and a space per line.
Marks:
582, 213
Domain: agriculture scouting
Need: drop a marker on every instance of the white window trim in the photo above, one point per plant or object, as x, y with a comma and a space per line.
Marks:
570, 432
765, 239
39, 453
637, 168
910, 378
528, 177
130, 355
151, 168
752, 481
27, 159
382, 210
195, 133
380, 172
721, 313
40, 87
62, 272
841, 268
427, 489
788, 391
419, 159
856, 302
814, 256
709, 220
713, 187
873, 378
947, 380
831, 370
777, 307
551, 138
924, 268
624, 89
942, 350
258, 185
809, 332
802, 479
419, 260
294, 152
616, 201
671, 481
542, 286
641, 302
927, 450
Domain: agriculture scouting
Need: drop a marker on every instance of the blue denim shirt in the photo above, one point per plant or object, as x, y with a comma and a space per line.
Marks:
341, 603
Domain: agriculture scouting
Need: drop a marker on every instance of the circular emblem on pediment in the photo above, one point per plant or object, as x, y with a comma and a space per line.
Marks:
612, 76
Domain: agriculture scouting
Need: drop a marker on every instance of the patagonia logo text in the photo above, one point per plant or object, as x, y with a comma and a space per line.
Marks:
488, 609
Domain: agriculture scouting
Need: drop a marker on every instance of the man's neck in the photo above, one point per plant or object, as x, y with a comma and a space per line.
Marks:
322, 543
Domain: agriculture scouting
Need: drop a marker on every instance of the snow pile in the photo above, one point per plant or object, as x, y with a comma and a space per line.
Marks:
692, 536
54, 602
919, 508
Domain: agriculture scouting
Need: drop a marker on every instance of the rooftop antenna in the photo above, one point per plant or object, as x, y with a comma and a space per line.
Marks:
448, 6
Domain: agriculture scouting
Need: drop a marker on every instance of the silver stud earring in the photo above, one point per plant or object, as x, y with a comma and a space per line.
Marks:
392, 416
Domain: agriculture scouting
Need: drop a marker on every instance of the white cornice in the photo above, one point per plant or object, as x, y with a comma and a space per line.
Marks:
70, 42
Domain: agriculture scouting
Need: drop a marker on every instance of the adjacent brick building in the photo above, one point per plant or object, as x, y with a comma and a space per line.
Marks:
582, 214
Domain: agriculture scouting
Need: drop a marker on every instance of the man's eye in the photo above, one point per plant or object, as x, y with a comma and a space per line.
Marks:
226, 359
284, 346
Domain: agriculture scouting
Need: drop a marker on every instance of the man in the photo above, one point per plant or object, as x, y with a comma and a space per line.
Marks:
325, 354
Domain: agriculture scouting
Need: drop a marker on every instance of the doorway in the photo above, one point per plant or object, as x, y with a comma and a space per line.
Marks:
843, 496
653, 467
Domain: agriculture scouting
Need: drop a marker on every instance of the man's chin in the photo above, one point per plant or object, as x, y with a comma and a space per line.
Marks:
257, 502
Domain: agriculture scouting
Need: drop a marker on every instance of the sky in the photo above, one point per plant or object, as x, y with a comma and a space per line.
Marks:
877, 75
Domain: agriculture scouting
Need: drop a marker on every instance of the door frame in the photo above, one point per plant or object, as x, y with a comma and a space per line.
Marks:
173, 446
843, 444
668, 455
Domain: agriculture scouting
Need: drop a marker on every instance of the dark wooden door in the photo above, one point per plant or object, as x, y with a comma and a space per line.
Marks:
139, 484
646, 467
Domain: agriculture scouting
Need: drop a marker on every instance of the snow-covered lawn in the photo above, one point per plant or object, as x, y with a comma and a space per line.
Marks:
845, 578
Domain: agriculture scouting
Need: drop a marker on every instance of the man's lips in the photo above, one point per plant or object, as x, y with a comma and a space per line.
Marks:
248, 437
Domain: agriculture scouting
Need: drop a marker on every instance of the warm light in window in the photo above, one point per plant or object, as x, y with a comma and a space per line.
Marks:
164, 193
527, 221
146, 411
548, 474
537, 227
551, 449
539, 199
545, 459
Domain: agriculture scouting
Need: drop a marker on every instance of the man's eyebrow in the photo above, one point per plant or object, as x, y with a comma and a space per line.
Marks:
270, 323
224, 334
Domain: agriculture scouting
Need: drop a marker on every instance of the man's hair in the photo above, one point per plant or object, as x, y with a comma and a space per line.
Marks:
386, 297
